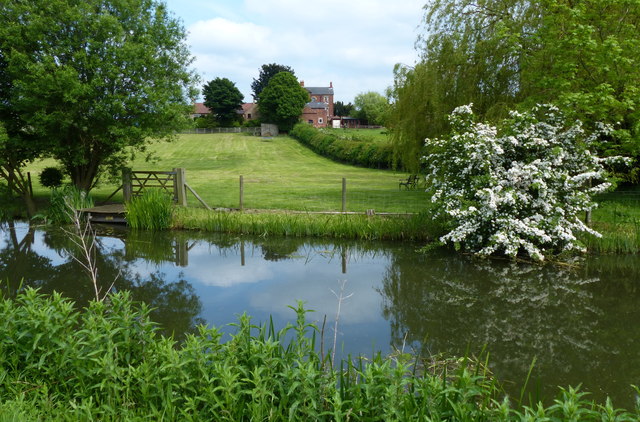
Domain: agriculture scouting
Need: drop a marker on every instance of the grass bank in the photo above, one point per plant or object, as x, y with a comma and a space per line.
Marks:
618, 220
417, 227
107, 362
281, 174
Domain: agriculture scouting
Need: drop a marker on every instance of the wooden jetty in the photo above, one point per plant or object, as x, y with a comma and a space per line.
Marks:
109, 213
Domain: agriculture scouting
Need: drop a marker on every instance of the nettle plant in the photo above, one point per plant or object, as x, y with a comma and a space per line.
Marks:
517, 191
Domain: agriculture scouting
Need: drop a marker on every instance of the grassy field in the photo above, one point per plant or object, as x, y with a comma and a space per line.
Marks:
278, 173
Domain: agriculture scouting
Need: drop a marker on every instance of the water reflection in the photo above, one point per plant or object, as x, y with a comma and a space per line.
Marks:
578, 322
44, 260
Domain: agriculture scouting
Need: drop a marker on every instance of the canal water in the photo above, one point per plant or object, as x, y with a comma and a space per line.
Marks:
579, 322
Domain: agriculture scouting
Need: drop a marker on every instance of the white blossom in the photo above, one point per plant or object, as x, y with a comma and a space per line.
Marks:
518, 192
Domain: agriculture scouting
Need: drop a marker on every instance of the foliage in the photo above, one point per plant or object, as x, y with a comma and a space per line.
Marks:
267, 71
372, 107
353, 151
151, 211
520, 191
63, 199
108, 363
51, 177
90, 81
224, 100
582, 56
282, 101
342, 109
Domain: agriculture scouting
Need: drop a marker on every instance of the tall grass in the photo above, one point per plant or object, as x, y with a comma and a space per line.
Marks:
152, 211
108, 363
65, 201
618, 220
417, 227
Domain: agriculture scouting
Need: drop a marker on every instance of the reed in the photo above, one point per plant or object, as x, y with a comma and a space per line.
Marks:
107, 362
618, 220
151, 211
416, 227
65, 202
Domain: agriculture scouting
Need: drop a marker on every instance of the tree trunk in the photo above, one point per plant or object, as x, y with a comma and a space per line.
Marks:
30, 203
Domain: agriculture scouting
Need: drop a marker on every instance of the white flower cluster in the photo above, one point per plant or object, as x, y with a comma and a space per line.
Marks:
518, 192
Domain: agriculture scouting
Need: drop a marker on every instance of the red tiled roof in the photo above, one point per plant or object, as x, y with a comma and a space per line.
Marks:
200, 108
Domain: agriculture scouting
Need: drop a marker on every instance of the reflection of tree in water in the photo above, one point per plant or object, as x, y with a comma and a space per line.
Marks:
176, 305
19, 265
566, 317
279, 249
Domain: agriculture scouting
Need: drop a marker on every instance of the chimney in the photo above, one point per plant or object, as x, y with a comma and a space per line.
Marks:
301, 83
330, 84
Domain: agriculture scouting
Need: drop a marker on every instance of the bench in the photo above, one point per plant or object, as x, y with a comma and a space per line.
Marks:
410, 182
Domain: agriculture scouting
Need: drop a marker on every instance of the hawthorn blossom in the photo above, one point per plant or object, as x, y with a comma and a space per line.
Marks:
521, 191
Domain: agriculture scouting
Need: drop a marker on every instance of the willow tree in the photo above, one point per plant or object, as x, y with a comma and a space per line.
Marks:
583, 55
93, 80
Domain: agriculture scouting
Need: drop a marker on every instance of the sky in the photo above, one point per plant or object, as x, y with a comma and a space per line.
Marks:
352, 43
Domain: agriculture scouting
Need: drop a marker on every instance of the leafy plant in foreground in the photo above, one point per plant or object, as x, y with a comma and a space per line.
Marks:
107, 362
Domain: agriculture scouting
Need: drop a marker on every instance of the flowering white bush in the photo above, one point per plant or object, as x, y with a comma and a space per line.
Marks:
522, 190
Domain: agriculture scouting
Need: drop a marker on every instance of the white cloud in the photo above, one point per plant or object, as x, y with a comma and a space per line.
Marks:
353, 44
221, 36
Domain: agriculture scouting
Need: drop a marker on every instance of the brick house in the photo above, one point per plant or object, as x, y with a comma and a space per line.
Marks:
200, 110
248, 111
319, 111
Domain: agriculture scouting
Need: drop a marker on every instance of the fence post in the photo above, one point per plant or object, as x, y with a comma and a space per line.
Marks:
126, 184
179, 188
241, 193
344, 194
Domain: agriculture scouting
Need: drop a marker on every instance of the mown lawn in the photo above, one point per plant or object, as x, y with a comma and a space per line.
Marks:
278, 173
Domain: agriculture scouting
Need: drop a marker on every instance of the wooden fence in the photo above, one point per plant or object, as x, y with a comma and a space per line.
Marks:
173, 182
255, 131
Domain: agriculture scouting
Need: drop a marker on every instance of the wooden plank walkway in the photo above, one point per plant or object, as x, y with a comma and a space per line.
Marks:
109, 213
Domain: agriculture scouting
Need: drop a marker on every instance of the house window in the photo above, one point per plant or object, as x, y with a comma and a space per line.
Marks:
320, 121
310, 121
325, 99
314, 99
249, 116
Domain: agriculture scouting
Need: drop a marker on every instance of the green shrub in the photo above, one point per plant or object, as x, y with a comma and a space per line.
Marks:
64, 201
107, 362
152, 211
363, 152
51, 177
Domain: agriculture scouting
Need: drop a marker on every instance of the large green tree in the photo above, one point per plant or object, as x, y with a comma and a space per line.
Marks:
372, 107
282, 101
342, 109
93, 80
583, 55
224, 100
267, 71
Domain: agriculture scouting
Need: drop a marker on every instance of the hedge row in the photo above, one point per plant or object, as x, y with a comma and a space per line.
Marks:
359, 152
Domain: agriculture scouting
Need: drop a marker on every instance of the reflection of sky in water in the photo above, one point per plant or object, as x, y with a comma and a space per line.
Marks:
264, 288
579, 323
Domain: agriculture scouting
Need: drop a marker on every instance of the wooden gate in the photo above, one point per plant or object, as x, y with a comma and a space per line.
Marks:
134, 183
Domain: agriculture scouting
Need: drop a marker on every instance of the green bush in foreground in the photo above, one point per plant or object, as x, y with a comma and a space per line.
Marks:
107, 362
